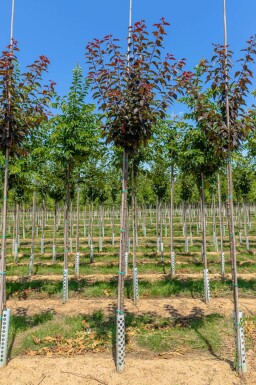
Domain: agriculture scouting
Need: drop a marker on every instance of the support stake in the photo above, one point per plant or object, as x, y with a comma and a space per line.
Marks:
65, 286
4, 337
120, 348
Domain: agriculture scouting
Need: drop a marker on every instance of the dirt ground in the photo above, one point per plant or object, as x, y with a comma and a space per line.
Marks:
165, 307
153, 277
100, 369
141, 368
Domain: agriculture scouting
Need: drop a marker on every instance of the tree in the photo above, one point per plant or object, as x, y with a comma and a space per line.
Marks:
73, 140
23, 106
165, 145
198, 157
228, 125
133, 89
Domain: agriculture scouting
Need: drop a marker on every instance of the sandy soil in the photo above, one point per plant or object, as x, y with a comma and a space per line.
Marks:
107, 277
100, 369
169, 307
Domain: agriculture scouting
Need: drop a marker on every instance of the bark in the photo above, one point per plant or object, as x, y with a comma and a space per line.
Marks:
134, 219
221, 228
120, 301
203, 224
54, 229
43, 226
77, 220
33, 233
66, 219
171, 216
3, 243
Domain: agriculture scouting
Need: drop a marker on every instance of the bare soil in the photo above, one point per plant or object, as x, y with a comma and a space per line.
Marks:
147, 277
165, 307
100, 370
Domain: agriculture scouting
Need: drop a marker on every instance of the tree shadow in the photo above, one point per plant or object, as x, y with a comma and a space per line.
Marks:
195, 320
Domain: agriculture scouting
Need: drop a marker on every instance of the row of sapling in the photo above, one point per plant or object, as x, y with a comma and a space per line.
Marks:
23, 106
197, 156
160, 182
243, 178
134, 89
165, 147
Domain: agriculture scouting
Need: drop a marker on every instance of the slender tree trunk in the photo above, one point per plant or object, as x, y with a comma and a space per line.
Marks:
32, 255
171, 225
240, 360
54, 232
232, 244
43, 226
23, 221
134, 258
4, 233
245, 227
113, 224
157, 226
16, 243
70, 214
84, 220
221, 230
185, 226
66, 243
77, 260
120, 343
203, 225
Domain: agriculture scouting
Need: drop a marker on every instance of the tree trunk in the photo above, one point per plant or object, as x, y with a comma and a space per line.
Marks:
134, 258
171, 225
43, 226
3, 243
120, 327
77, 260
232, 245
54, 232
66, 245
204, 256
23, 222
157, 227
245, 227
221, 230
16, 243
31, 262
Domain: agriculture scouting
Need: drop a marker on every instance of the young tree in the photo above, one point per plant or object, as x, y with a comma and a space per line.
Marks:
133, 89
197, 156
228, 124
167, 136
73, 140
23, 106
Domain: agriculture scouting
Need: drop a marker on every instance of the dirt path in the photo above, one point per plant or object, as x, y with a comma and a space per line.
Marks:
100, 370
107, 277
175, 307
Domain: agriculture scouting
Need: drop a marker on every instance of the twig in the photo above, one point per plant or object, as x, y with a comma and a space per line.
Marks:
41, 380
87, 377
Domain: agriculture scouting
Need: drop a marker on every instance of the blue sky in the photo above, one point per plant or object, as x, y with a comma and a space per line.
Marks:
60, 29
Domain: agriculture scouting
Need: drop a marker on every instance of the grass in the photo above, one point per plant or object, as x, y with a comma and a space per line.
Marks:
46, 332
164, 288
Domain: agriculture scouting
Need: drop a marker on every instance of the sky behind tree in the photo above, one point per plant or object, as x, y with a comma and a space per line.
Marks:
60, 29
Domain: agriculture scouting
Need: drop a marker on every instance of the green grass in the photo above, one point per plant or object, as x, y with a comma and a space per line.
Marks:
164, 288
149, 332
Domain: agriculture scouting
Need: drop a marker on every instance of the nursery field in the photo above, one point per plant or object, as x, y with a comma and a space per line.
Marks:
172, 336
